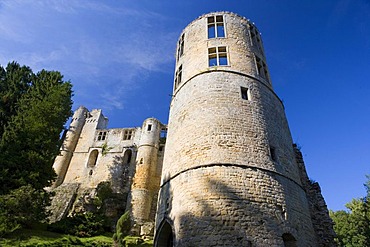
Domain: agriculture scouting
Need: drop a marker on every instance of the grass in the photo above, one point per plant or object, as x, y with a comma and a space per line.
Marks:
42, 238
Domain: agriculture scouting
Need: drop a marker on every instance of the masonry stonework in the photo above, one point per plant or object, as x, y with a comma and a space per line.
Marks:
227, 173
230, 175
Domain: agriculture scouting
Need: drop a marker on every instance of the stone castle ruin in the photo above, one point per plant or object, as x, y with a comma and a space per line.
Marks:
224, 172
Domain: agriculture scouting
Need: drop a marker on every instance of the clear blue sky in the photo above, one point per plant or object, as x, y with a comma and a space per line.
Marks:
119, 55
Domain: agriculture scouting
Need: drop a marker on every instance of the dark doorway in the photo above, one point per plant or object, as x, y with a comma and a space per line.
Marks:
289, 240
164, 235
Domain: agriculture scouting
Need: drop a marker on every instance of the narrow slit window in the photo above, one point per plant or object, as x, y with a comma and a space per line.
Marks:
273, 153
216, 26
217, 56
180, 48
245, 93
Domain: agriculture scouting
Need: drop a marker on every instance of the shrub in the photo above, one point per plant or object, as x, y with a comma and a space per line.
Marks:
122, 229
82, 224
21, 208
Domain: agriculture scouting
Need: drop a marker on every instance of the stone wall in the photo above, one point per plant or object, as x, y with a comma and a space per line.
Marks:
230, 176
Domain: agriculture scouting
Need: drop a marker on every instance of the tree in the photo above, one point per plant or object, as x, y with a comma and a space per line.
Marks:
353, 226
33, 110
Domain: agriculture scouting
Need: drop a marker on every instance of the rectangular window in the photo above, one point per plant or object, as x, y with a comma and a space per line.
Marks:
180, 48
262, 69
217, 56
245, 93
216, 27
149, 127
178, 76
102, 135
255, 38
128, 134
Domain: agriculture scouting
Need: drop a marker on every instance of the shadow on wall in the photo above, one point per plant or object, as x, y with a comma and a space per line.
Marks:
224, 216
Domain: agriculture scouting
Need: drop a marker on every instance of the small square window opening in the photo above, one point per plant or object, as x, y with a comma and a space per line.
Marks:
245, 92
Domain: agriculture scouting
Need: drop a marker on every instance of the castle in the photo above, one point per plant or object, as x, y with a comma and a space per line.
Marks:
225, 171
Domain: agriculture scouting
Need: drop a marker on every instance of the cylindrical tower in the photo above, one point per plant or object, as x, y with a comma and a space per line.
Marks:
72, 135
146, 179
229, 175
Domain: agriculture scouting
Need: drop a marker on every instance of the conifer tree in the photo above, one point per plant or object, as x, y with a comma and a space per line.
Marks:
33, 110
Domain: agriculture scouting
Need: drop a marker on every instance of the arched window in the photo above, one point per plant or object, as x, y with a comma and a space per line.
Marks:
93, 158
164, 236
289, 240
127, 157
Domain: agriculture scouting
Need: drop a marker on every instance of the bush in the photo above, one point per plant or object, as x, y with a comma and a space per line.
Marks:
22, 208
122, 229
82, 224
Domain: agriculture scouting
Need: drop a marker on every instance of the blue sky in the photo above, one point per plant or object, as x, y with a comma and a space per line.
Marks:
119, 55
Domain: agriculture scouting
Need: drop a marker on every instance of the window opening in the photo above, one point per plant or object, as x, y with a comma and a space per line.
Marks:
90, 172
160, 149
178, 76
92, 158
217, 56
141, 161
102, 135
245, 93
149, 127
262, 68
255, 38
128, 134
180, 48
216, 26
127, 156
273, 153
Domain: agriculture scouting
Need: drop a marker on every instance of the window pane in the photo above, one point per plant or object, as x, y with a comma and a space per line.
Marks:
219, 18
223, 59
220, 30
212, 50
222, 49
211, 31
211, 20
212, 61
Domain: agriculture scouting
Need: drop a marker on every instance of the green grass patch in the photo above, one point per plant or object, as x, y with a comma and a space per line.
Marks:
41, 238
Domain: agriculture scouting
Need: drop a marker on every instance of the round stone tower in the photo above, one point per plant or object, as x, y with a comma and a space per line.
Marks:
229, 175
72, 135
146, 181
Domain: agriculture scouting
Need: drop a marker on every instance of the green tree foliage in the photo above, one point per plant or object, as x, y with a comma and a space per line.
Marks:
33, 110
353, 226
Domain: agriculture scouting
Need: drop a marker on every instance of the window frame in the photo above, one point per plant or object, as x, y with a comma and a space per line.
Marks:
128, 134
180, 48
102, 135
215, 53
255, 38
261, 68
178, 76
214, 24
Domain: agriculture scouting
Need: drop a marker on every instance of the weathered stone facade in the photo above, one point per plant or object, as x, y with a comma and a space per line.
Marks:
230, 175
130, 159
